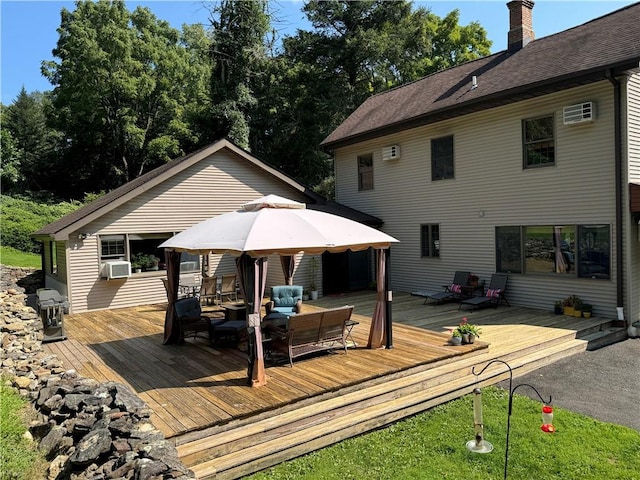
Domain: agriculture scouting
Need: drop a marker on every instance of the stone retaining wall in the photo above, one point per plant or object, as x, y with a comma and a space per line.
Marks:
86, 429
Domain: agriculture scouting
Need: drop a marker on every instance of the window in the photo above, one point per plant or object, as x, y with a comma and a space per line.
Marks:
442, 158
141, 249
539, 143
53, 253
508, 250
549, 249
144, 254
112, 247
594, 245
430, 240
568, 250
365, 172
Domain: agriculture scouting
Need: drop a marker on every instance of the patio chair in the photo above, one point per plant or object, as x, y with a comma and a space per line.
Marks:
228, 288
209, 290
286, 300
191, 320
451, 292
494, 295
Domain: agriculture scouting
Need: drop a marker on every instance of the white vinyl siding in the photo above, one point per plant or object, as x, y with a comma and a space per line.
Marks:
491, 189
215, 185
632, 264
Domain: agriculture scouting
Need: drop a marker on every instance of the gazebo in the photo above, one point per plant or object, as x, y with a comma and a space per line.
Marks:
274, 225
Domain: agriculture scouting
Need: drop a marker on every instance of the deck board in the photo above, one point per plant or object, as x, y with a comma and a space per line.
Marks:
194, 386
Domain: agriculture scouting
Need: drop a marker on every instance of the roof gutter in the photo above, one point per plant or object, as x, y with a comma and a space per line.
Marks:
617, 105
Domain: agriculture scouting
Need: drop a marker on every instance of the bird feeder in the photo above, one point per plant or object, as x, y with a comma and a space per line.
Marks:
547, 419
478, 444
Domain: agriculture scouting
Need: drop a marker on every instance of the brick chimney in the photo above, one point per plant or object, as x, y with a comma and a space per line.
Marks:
520, 24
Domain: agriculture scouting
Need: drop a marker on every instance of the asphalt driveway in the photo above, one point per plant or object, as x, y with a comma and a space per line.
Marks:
603, 384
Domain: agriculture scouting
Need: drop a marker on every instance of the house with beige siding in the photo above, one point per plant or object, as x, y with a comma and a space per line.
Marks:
87, 254
523, 162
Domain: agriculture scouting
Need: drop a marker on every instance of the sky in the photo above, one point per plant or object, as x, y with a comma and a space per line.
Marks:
28, 28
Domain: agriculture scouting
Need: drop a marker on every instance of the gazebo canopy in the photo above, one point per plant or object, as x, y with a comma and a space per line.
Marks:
275, 225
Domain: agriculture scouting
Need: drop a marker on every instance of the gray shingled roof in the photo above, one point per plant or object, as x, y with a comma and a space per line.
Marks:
315, 201
573, 57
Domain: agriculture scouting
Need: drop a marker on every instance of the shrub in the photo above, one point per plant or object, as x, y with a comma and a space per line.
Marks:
21, 217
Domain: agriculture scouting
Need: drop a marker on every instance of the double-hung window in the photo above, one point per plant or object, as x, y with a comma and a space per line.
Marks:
365, 172
442, 158
430, 240
539, 141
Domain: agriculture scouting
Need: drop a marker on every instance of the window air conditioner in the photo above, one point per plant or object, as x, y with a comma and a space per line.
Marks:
116, 269
579, 113
391, 152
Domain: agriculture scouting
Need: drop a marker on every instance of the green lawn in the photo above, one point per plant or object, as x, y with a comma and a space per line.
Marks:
432, 446
15, 258
19, 459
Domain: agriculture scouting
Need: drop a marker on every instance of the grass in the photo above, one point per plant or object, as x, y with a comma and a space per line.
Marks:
19, 458
432, 446
15, 258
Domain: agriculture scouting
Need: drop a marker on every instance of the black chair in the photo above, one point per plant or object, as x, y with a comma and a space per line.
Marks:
494, 295
453, 291
191, 320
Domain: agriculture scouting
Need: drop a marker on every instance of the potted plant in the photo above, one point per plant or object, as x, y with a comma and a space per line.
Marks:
305, 295
473, 280
571, 304
587, 310
313, 263
456, 337
468, 331
557, 308
577, 306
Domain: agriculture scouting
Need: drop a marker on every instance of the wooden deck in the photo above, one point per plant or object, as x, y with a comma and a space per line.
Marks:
225, 429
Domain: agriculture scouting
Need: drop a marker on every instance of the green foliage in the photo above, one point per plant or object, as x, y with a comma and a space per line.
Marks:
431, 445
130, 92
139, 83
21, 217
19, 459
30, 156
239, 56
355, 49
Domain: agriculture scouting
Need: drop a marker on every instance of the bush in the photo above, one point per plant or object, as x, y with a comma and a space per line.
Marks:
21, 217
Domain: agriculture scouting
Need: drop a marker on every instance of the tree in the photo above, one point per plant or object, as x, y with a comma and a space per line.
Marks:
34, 142
238, 54
356, 49
124, 86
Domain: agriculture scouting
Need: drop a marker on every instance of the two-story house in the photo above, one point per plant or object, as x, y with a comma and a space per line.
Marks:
523, 162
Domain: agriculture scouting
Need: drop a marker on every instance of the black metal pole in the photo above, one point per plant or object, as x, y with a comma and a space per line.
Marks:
510, 409
388, 299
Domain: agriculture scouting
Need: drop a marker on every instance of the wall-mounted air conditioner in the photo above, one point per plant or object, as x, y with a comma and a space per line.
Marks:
116, 269
579, 113
391, 152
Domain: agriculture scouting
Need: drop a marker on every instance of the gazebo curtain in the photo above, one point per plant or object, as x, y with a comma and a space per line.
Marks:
252, 276
377, 333
288, 263
171, 327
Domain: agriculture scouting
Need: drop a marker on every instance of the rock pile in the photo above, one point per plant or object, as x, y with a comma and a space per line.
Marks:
86, 429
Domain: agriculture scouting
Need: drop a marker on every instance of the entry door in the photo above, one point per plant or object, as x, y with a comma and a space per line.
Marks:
346, 271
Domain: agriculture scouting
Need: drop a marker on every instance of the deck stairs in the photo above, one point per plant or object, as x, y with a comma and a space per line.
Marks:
244, 446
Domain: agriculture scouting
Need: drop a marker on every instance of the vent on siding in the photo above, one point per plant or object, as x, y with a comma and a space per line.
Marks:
391, 152
579, 113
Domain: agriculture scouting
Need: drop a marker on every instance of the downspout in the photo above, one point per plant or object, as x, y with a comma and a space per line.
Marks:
617, 109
